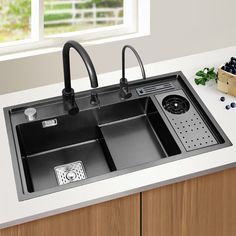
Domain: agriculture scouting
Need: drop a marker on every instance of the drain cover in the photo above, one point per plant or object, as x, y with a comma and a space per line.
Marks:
176, 104
70, 172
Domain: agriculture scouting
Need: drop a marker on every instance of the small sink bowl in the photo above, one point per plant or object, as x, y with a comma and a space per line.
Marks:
137, 134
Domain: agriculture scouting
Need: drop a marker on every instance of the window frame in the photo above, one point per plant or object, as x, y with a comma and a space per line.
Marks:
134, 11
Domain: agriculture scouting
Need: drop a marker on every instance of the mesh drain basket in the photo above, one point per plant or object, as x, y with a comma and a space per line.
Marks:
70, 172
191, 129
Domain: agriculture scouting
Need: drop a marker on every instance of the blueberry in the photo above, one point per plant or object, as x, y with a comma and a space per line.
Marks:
222, 99
232, 65
230, 71
233, 62
233, 58
227, 68
233, 104
227, 107
223, 67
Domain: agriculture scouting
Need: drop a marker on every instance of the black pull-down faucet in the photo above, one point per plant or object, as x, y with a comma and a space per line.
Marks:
68, 92
124, 86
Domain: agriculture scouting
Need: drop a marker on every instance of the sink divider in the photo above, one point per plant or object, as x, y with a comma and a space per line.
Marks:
106, 151
163, 134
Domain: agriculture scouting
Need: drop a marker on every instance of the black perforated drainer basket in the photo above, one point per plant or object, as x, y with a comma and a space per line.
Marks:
191, 129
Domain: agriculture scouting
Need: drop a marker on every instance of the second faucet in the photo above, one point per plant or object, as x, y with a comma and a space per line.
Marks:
124, 86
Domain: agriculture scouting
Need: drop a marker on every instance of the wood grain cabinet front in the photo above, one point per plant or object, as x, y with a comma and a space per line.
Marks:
119, 217
203, 206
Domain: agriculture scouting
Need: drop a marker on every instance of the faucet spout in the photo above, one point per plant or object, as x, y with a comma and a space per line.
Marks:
68, 92
87, 61
124, 85
138, 58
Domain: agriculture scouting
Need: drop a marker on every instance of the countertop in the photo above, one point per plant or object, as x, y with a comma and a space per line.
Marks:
13, 211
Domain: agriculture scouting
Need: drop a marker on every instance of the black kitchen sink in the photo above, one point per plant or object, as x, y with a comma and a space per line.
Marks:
164, 120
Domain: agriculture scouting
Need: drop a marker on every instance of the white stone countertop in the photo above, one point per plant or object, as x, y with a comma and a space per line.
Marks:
13, 211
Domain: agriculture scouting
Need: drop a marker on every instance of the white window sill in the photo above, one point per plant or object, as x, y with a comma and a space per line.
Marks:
117, 38
42, 51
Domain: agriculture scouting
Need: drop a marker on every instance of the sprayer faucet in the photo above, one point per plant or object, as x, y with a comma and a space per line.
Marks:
124, 86
68, 92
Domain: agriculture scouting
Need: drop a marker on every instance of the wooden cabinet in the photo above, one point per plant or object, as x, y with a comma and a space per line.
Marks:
204, 206
114, 218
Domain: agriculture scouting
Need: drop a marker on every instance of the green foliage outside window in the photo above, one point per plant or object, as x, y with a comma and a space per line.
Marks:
15, 17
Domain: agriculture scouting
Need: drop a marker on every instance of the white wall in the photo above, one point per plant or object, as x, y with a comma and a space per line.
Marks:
178, 28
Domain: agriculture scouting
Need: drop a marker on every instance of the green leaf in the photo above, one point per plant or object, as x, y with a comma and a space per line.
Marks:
200, 81
200, 73
197, 81
205, 75
211, 70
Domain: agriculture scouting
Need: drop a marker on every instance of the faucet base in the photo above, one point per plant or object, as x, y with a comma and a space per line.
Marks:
69, 102
94, 99
124, 89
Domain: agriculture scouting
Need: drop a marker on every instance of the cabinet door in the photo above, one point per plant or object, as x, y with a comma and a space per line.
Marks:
119, 217
204, 206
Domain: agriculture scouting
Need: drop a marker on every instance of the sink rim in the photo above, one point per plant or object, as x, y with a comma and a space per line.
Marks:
103, 90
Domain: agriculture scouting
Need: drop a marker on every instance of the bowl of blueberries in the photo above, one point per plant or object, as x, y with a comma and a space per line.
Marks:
227, 77
230, 66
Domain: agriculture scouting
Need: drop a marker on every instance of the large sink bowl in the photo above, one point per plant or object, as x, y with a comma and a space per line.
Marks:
163, 121
74, 138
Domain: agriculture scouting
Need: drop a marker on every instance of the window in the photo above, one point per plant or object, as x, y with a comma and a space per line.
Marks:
15, 20
29, 24
77, 15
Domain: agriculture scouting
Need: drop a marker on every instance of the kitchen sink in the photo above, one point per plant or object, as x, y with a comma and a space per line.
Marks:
163, 121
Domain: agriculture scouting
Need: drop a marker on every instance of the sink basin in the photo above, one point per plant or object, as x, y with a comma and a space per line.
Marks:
163, 121
114, 137
137, 137
74, 138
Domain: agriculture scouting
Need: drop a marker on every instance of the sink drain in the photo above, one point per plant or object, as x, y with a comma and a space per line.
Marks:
176, 104
70, 172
